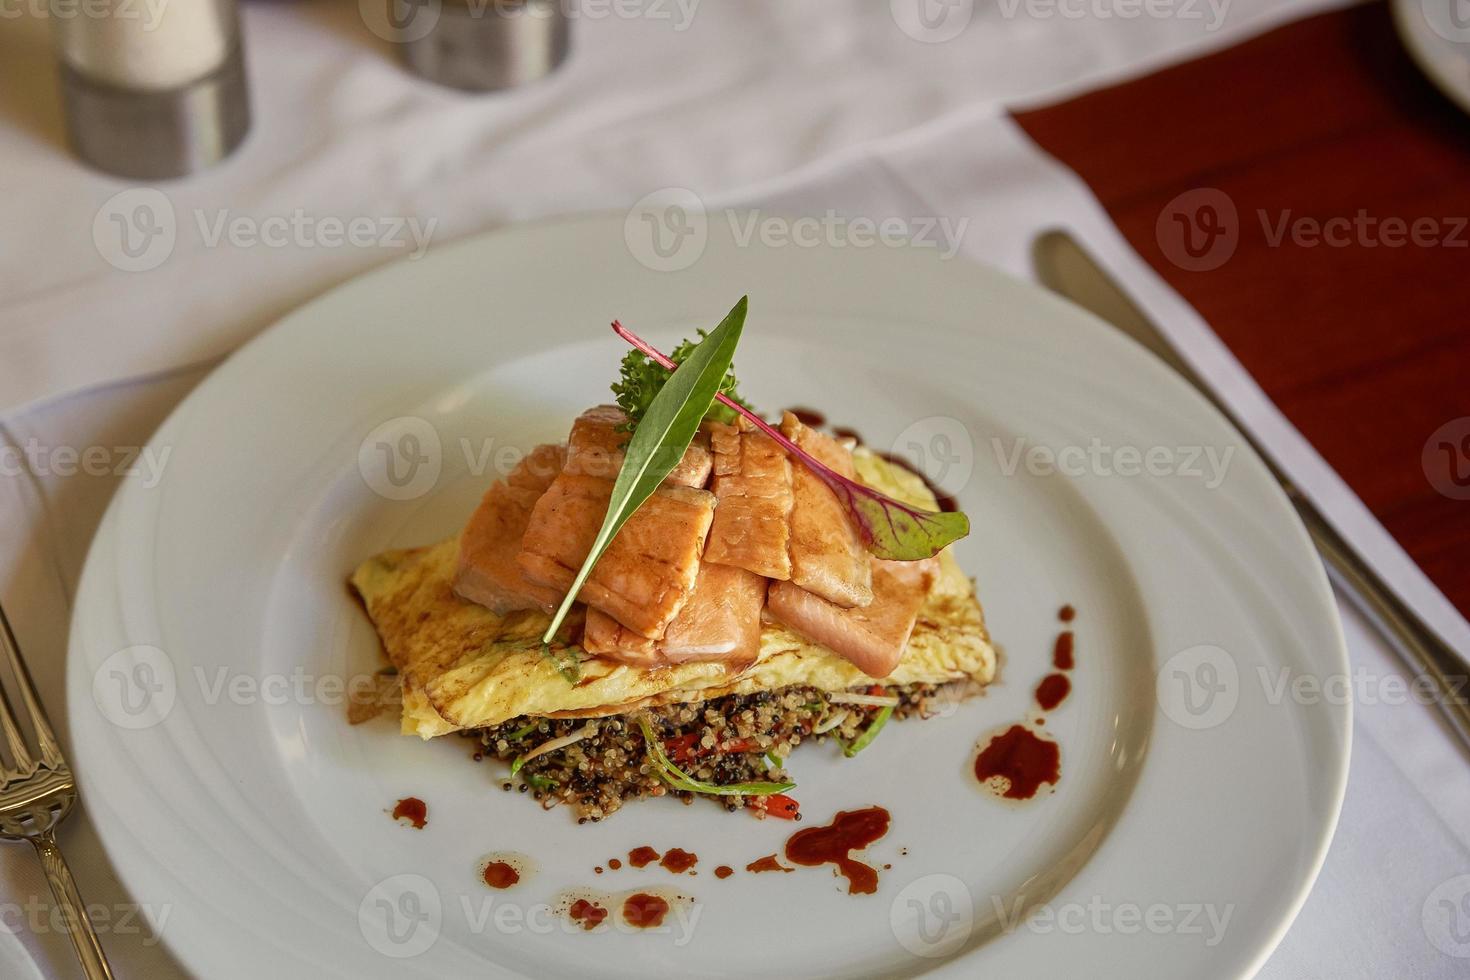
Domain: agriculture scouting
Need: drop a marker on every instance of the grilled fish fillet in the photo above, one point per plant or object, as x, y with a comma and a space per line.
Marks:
752, 479
721, 622
462, 666
872, 637
827, 558
487, 572
595, 448
648, 570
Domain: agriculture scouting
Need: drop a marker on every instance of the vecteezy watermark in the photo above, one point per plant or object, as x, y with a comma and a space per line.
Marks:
932, 21
1208, 464
668, 230
137, 230
941, 449
150, 12
933, 916
1199, 687
406, 21
1211, 12
1103, 917
1198, 230
1446, 917
401, 916
1450, 19
404, 458
1446, 459
144, 463
137, 688
40, 915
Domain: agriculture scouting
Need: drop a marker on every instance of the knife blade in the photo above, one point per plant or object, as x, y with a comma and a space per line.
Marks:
1066, 268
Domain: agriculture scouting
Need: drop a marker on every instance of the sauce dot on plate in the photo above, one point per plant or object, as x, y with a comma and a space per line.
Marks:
412, 809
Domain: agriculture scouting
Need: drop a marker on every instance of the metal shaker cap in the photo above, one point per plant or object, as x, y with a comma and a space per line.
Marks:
481, 45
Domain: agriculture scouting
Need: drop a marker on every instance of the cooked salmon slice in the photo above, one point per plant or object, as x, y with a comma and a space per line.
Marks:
595, 448
647, 572
487, 572
604, 636
827, 557
872, 637
752, 479
721, 621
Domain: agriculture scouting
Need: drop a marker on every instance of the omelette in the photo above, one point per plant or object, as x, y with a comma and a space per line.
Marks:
736, 615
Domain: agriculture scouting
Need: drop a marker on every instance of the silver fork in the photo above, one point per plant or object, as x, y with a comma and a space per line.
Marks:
35, 796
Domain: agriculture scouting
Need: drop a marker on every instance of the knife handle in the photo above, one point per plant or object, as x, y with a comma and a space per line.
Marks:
1419, 645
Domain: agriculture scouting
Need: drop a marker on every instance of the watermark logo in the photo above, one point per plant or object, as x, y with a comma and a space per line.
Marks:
1446, 459
135, 688
1099, 916
1446, 917
933, 916
932, 21
1199, 230
401, 916
1450, 19
1198, 688
400, 21
1207, 464
402, 458
667, 231
1211, 12
135, 230
940, 448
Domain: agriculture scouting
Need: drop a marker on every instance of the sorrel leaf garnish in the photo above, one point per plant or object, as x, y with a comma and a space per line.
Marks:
656, 447
889, 528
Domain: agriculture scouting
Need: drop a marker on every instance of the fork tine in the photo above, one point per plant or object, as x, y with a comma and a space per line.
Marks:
50, 748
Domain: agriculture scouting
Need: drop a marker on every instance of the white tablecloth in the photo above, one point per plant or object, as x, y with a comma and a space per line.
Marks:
796, 108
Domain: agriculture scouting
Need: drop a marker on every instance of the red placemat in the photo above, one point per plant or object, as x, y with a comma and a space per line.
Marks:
1308, 192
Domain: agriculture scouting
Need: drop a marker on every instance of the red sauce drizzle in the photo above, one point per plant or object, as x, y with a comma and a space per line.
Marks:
1063, 654
587, 913
1066, 614
842, 432
1052, 691
499, 874
597, 870
767, 863
725, 871
1022, 759
414, 810
849, 831
642, 857
679, 860
644, 911
615, 864
809, 416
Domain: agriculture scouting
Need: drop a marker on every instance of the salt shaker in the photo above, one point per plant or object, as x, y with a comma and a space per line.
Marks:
152, 91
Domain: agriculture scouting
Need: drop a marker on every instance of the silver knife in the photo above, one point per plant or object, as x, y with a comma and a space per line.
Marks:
1064, 267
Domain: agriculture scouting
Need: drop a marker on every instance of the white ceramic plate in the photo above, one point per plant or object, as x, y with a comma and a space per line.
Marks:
1437, 36
1196, 802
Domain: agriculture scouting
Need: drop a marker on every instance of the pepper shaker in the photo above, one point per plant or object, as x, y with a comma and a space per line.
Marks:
152, 91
